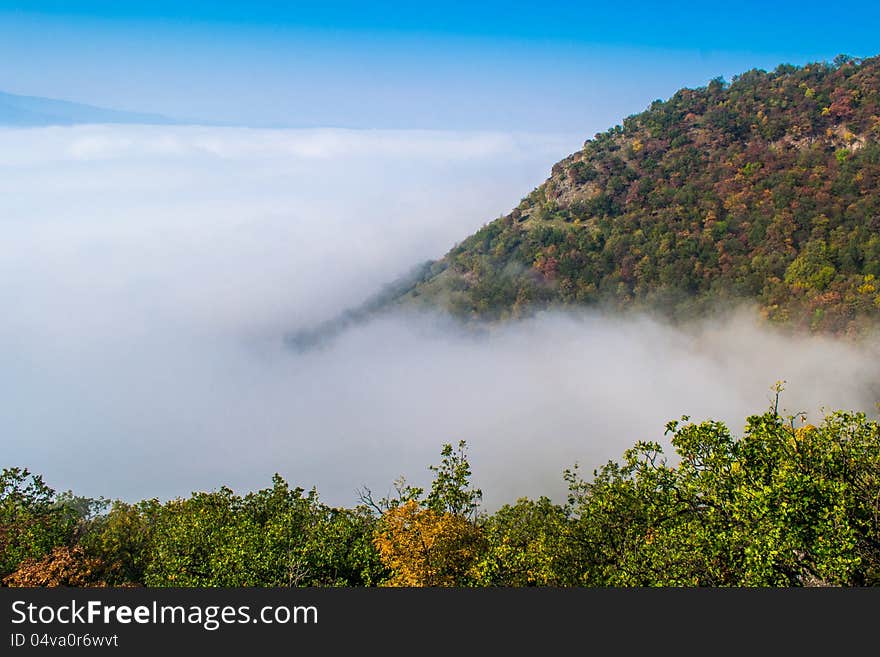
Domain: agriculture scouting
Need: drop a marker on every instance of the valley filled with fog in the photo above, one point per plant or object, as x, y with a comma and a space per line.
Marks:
149, 274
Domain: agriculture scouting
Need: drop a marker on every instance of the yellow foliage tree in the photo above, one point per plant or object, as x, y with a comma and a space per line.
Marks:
424, 547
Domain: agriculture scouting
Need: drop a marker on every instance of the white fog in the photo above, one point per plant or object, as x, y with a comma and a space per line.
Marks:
148, 275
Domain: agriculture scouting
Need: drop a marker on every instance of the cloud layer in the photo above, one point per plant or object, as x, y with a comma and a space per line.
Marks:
148, 275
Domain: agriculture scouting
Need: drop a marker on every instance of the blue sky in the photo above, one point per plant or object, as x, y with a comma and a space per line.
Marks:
548, 66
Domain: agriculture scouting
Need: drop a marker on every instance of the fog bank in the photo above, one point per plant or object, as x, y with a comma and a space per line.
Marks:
148, 276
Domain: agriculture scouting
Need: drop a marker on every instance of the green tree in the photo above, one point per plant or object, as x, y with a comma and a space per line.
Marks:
782, 506
278, 536
528, 544
451, 490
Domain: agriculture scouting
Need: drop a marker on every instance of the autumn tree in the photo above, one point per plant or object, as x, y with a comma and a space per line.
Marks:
424, 547
63, 566
432, 540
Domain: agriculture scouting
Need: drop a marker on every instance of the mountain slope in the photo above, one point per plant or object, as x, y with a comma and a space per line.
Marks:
33, 111
766, 189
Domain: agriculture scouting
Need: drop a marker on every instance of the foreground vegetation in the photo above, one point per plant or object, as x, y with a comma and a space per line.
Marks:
786, 504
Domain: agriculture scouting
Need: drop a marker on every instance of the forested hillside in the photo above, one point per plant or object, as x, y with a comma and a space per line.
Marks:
787, 504
766, 189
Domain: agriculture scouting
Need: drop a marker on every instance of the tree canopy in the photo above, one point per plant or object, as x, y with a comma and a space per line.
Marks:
785, 504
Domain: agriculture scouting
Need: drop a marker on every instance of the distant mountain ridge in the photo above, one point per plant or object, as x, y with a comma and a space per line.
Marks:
34, 111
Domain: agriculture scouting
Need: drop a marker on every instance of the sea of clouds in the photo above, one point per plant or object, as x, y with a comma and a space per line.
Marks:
149, 274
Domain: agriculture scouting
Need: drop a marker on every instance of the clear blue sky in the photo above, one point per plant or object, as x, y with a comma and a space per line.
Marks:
538, 66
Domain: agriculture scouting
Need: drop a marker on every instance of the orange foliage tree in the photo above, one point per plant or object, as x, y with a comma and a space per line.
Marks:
63, 566
424, 547
433, 540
